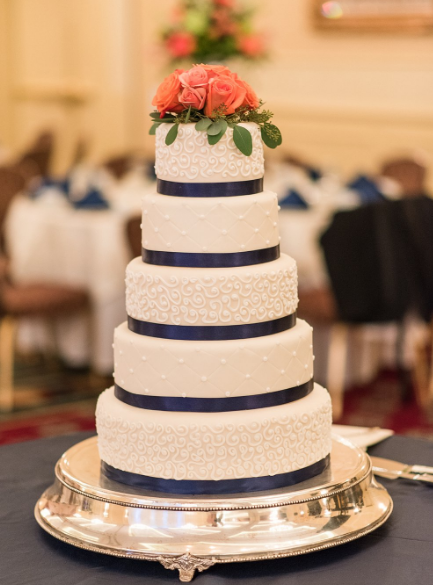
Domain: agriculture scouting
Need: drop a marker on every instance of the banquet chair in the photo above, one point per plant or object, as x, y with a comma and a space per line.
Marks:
39, 154
118, 166
408, 173
133, 234
380, 263
11, 183
31, 300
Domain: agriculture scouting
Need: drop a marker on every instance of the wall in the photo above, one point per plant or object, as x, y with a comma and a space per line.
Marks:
90, 67
348, 100
69, 68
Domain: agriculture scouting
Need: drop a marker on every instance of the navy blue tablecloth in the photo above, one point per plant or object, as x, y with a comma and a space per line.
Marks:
398, 553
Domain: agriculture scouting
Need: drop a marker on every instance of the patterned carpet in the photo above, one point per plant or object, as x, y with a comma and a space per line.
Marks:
381, 404
50, 400
53, 400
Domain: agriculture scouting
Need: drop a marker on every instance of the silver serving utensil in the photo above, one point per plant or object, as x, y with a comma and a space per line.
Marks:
394, 469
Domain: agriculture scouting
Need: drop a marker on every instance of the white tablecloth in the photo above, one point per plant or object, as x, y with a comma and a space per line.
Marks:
50, 241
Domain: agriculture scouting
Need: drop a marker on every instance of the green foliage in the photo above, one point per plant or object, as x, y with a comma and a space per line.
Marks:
271, 135
203, 124
153, 128
172, 134
188, 115
214, 138
216, 125
243, 140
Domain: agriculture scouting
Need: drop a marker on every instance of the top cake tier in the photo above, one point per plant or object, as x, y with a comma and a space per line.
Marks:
190, 159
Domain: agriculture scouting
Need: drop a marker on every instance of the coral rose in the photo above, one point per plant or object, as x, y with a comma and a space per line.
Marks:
251, 100
214, 70
193, 96
197, 76
224, 91
166, 98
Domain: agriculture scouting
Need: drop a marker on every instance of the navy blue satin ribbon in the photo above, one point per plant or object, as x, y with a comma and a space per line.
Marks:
179, 404
211, 333
233, 189
210, 260
214, 487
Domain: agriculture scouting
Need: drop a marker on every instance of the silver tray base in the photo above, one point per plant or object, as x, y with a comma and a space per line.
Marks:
191, 534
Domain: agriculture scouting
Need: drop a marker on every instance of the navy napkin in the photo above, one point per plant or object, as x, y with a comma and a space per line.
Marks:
62, 185
93, 199
366, 189
293, 200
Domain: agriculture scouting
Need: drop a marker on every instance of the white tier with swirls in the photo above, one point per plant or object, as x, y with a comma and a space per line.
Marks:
213, 224
214, 446
211, 296
191, 159
213, 369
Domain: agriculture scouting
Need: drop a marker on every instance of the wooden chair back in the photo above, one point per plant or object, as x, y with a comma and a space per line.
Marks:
133, 234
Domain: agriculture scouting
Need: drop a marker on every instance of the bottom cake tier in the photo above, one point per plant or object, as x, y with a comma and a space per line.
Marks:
223, 452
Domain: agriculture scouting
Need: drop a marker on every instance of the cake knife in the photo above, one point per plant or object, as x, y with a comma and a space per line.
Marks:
394, 469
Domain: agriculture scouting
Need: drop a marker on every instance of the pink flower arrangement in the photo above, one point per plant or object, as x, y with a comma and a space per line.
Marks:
212, 30
213, 89
214, 98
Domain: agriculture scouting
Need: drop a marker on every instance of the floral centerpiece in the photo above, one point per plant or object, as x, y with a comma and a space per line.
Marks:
212, 30
214, 98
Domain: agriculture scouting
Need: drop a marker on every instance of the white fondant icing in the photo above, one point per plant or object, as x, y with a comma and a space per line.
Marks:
211, 296
211, 222
254, 366
214, 446
190, 159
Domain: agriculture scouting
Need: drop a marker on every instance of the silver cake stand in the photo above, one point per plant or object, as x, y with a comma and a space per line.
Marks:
191, 534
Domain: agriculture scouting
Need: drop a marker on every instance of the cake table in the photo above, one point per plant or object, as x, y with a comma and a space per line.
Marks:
191, 534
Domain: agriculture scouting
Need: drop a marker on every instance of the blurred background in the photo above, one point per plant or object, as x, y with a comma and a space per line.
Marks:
351, 87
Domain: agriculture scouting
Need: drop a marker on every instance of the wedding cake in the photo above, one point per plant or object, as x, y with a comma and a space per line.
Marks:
213, 384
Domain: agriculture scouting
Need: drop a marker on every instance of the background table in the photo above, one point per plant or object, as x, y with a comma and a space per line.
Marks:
398, 553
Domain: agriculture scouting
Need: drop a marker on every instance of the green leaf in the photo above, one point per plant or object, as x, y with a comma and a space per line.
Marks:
243, 140
188, 114
214, 138
216, 127
166, 118
153, 128
271, 135
172, 135
268, 140
203, 124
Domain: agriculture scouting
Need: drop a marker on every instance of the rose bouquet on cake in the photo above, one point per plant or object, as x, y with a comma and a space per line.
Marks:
212, 30
214, 98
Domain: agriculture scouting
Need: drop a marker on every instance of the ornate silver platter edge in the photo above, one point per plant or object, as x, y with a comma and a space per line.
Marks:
192, 534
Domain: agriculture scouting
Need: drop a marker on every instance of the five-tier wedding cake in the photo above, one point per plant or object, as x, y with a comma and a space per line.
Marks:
214, 390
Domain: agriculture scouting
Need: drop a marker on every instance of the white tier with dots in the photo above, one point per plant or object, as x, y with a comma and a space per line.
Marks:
168, 367
214, 446
210, 225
